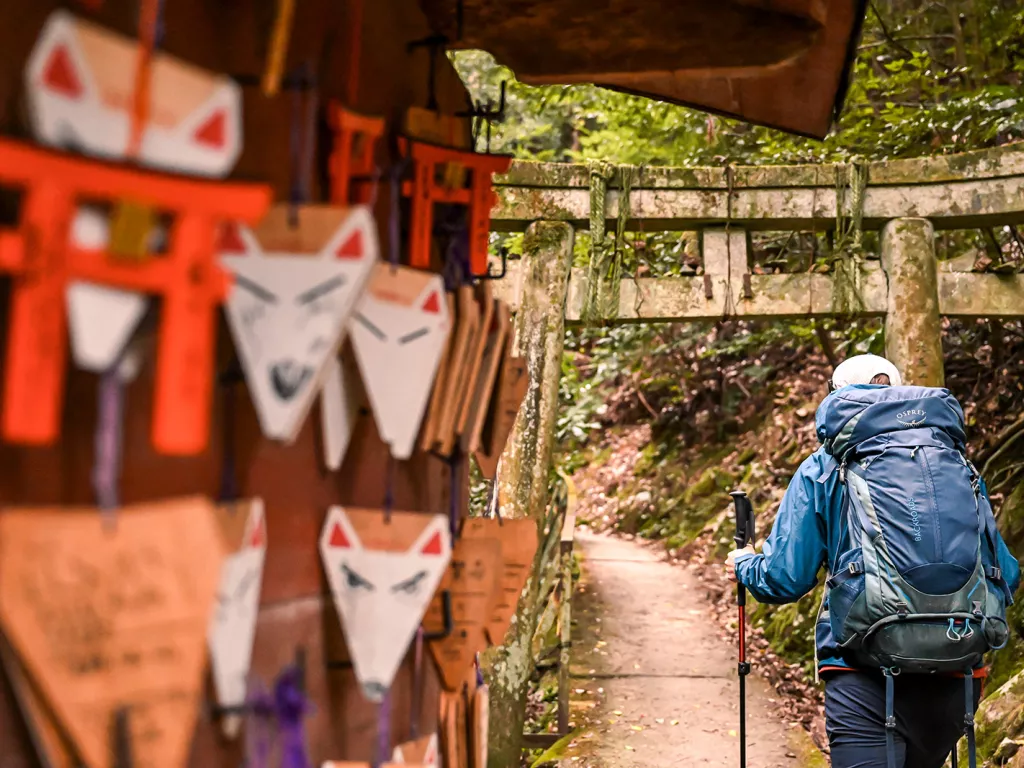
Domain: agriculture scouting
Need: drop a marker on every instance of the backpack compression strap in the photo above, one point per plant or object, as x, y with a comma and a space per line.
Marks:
890, 719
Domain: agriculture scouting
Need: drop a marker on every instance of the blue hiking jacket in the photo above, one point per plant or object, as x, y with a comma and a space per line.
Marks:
806, 536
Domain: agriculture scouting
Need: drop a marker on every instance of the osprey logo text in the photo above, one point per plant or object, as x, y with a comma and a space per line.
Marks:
911, 418
915, 520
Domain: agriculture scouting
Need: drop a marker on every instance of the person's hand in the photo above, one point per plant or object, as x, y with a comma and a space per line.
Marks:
730, 561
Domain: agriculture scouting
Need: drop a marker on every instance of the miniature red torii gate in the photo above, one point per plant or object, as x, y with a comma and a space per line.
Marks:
42, 261
352, 160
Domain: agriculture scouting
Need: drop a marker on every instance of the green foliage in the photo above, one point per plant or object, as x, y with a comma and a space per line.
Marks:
941, 77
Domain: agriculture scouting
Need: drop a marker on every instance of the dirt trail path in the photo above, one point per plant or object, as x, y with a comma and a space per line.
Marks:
653, 683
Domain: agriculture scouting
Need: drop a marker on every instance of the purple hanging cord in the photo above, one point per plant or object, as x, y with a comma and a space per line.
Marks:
290, 708
259, 715
106, 470
302, 143
389, 488
383, 731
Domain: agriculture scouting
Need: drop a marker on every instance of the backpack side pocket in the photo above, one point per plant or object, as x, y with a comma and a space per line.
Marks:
846, 587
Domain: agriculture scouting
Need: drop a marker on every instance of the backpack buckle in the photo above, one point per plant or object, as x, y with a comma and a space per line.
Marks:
902, 610
890, 722
855, 569
995, 573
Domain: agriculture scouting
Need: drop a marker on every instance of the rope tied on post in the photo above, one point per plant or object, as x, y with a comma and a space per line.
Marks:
848, 251
604, 271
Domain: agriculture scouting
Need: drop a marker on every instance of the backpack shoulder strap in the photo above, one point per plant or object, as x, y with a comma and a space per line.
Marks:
989, 530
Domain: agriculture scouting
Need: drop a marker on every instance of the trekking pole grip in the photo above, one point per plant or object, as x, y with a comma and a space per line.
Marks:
744, 533
744, 519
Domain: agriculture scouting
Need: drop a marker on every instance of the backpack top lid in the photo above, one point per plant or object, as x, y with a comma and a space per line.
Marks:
855, 413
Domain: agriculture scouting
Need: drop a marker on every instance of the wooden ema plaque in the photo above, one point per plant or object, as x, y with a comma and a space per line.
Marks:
479, 723
434, 127
454, 741
80, 84
232, 632
399, 332
518, 542
46, 737
432, 424
494, 347
474, 572
478, 347
423, 751
340, 399
459, 363
104, 619
382, 573
513, 382
296, 282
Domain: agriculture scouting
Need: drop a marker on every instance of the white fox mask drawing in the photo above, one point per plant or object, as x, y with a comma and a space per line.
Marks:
399, 331
287, 309
80, 84
383, 576
233, 623
422, 752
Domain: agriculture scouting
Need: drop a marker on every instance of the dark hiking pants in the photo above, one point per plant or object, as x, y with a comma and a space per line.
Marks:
929, 719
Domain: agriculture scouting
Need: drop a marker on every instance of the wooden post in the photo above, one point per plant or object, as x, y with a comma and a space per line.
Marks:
523, 476
913, 327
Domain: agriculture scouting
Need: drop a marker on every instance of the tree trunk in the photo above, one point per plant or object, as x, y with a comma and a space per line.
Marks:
525, 464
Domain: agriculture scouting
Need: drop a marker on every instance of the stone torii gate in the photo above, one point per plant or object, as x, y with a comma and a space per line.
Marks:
906, 200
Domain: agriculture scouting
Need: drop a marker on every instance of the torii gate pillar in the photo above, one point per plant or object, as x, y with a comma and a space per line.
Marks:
913, 327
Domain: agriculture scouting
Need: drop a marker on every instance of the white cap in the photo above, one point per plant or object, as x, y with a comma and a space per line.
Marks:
861, 369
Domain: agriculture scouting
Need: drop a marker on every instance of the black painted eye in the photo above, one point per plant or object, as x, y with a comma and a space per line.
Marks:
252, 314
411, 585
354, 580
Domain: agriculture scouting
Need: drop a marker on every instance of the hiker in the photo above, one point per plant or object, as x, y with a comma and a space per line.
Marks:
904, 687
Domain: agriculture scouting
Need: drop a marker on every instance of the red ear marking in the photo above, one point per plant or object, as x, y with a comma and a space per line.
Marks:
213, 132
352, 248
230, 241
59, 74
338, 538
256, 539
432, 547
432, 304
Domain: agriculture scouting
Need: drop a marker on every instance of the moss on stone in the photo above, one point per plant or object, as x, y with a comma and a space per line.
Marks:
807, 753
790, 628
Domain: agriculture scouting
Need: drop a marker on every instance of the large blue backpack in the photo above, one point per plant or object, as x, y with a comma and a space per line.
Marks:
917, 588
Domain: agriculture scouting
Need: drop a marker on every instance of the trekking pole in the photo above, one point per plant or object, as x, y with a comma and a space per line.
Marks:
744, 535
